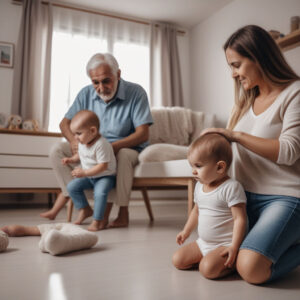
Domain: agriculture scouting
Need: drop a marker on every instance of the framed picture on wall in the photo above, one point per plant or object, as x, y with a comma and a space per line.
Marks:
6, 54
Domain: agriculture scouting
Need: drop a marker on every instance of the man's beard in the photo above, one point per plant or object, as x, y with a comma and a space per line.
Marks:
108, 97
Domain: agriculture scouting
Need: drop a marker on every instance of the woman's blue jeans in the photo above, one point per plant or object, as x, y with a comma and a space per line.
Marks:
274, 230
101, 187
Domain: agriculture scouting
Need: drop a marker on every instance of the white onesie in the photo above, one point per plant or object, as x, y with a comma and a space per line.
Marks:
215, 221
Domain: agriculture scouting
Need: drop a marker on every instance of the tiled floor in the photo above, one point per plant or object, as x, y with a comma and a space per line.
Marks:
129, 263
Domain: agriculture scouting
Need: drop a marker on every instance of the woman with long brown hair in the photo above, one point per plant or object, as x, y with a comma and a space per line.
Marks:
265, 130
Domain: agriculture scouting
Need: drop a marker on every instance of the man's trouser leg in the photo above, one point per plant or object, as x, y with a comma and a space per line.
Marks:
127, 159
62, 172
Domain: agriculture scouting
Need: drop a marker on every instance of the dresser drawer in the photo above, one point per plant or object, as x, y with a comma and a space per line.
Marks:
27, 144
24, 161
27, 178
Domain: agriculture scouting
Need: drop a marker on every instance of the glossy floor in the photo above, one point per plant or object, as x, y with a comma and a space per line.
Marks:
129, 263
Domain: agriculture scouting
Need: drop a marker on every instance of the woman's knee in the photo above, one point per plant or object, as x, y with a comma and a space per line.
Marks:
253, 267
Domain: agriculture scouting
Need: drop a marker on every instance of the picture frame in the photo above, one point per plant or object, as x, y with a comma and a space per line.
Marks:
6, 54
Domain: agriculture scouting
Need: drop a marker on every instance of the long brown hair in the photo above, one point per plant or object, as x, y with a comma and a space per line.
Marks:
257, 45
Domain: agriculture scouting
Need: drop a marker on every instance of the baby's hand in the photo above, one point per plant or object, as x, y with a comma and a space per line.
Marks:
78, 172
65, 160
231, 252
181, 237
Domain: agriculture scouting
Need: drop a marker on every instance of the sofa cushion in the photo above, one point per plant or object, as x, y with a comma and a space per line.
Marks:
163, 169
163, 152
172, 125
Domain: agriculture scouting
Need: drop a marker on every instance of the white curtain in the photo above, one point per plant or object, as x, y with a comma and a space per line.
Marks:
77, 36
165, 75
32, 69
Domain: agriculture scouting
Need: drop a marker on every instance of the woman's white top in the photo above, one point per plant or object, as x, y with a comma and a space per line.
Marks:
281, 120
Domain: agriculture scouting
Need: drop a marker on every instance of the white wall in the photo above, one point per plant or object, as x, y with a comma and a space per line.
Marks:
211, 83
10, 19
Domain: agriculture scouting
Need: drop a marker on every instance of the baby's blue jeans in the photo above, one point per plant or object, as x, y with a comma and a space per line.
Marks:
101, 187
274, 230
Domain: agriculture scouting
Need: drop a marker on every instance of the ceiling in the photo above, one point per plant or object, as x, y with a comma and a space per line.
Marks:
183, 13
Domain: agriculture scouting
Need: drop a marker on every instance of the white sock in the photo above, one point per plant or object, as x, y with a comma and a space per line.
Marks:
67, 238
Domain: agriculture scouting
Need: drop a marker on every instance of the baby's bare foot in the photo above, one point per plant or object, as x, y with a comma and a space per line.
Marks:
83, 214
97, 225
48, 215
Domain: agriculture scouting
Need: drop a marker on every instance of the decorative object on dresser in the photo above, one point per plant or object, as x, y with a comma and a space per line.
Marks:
30, 125
14, 122
24, 163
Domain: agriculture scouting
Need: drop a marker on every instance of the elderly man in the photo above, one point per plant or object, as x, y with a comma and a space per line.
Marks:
124, 114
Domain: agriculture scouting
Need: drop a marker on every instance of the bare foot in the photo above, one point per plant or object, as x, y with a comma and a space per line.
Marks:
83, 214
97, 225
48, 215
122, 220
20, 230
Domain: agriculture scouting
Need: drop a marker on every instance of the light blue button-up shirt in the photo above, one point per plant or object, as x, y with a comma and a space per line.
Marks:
118, 118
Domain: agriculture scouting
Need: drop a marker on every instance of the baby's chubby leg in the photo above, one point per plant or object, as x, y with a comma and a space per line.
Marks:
212, 266
20, 230
187, 256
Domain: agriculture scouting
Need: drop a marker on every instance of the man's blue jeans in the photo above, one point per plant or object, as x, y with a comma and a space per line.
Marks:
101, 187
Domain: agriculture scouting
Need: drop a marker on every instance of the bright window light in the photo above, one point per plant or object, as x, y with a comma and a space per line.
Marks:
71, 52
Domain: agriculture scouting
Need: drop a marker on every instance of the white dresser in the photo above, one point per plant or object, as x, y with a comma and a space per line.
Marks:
24, 161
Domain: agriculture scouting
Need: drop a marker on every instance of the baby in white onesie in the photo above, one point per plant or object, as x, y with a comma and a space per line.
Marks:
219, 211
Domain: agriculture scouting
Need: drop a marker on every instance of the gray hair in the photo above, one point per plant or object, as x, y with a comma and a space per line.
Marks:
102, 58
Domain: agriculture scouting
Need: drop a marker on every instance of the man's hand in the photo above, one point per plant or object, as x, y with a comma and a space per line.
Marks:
78, 172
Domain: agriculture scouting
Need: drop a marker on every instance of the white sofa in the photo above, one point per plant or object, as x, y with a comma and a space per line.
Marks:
163, 164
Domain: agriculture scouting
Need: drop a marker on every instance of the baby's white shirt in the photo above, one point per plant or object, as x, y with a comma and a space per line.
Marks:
100, 152
215, 221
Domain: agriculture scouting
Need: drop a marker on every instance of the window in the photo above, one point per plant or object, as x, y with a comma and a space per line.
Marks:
71, 52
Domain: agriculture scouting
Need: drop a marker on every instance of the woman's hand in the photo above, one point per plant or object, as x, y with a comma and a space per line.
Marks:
230, 135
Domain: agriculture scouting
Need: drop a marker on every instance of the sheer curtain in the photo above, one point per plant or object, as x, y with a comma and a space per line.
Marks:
165, 75
77, 36
30, 97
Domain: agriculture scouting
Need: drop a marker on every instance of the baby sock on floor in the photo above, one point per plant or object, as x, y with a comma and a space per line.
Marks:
62, 238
